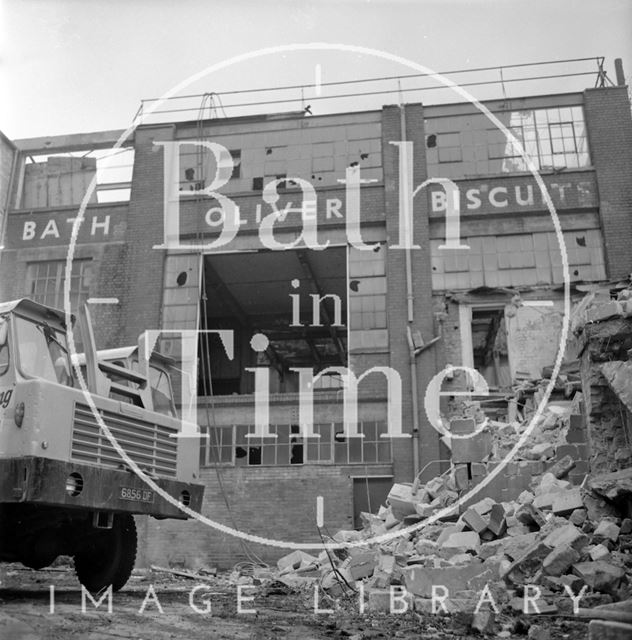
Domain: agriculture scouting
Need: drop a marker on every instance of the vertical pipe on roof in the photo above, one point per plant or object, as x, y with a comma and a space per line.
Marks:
405, 189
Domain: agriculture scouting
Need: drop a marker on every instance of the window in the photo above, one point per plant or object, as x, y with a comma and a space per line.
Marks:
552, 138
468, 145
45, 282
449, 146
370, 449
367, 288
217, 446
43, 352
198, 167
230, 445
61, 179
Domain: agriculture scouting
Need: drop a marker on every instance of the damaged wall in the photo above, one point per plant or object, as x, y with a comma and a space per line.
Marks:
608, 419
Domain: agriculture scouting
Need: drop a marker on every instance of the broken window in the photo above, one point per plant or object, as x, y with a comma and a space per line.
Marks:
367, 288
231, 445
62, 179
199, 167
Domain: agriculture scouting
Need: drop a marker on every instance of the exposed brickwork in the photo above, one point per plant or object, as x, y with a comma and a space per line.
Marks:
271, 502
606, 436
426, 362
609, 125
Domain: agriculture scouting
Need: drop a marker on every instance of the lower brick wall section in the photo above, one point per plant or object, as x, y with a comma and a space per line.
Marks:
272, 502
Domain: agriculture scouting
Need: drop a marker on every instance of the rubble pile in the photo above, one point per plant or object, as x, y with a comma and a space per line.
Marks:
550, 545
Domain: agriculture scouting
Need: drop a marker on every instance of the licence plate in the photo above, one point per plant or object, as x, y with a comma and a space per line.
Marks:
136, 495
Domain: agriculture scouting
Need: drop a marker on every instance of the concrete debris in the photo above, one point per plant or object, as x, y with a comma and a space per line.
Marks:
539, 528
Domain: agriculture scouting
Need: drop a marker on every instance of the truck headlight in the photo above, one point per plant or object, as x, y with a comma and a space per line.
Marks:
74, 484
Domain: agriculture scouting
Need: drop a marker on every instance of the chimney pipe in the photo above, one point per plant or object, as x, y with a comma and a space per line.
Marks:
618, 67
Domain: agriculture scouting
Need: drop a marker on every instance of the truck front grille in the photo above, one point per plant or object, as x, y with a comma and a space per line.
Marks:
147, 444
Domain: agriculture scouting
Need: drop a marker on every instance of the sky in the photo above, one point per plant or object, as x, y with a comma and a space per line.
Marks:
69, 66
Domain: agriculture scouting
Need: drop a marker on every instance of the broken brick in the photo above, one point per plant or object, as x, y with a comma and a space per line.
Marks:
526, 566
462, 540
559, 561
474, 520
562, 467
607, 529
529, 515
599, 552
599, 575
497, 522
566, 536
566, 502
609, 630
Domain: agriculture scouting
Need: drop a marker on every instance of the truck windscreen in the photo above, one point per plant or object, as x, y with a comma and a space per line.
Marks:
42, 351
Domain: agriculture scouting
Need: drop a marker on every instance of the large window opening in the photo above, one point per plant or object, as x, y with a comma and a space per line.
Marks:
62, 179
489, 346
297, 299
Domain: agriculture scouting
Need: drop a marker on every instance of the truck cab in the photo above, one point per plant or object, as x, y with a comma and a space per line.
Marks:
67, 485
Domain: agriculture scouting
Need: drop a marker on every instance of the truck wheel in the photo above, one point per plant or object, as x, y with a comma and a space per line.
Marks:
110, 557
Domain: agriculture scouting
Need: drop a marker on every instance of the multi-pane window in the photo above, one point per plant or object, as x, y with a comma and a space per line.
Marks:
45, 282
231, 445
552, 138
463, 146
367, 288
449, 147
198, 167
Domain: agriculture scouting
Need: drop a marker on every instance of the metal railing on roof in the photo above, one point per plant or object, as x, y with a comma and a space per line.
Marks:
365, 94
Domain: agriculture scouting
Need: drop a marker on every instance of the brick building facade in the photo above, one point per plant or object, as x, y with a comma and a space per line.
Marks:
496, 305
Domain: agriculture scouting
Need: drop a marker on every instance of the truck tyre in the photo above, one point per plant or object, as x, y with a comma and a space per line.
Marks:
109, 558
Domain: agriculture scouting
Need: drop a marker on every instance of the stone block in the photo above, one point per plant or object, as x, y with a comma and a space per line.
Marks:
362, 565
462, 426
400, 498
497, 521
599, 552
530, 515
462, 540
564, 503
516, 545
544, 501
484, 622
608, 530
474, 520
296, 560
559, 561
562, 467
522, 570
474, 449
419, 580
599, 575
609, 630
566, 536
578, 517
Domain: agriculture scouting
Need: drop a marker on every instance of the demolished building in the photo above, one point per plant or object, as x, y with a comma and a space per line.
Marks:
497, 307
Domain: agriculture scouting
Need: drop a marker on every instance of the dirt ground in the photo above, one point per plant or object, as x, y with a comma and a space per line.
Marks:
25, 613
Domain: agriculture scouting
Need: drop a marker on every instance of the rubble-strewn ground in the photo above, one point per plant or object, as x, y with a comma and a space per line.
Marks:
25, 615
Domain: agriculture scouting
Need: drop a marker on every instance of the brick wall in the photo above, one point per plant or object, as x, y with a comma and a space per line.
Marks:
609, 125
271, 502
427, 363
7, 155
141, 293
605, 414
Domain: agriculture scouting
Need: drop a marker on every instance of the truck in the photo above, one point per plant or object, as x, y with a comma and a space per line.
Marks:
65, 490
